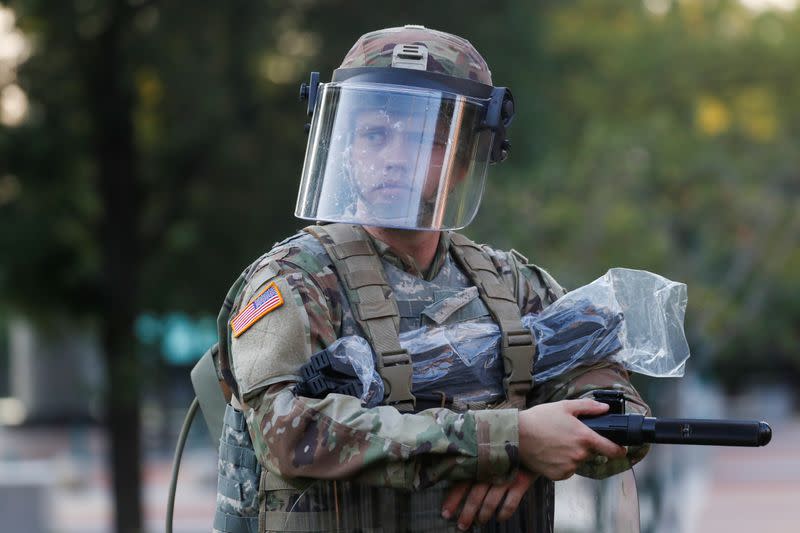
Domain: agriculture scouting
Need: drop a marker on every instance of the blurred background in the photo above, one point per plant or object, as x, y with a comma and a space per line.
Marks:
150, 150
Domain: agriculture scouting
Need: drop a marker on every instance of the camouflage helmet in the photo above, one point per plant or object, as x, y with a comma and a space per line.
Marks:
446, 53
402, 135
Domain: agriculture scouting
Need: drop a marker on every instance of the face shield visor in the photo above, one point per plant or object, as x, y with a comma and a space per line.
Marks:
395, 156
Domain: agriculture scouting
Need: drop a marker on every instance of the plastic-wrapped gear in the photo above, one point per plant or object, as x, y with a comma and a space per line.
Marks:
461, 361
347, 366
631, 317
566, 335
648, 339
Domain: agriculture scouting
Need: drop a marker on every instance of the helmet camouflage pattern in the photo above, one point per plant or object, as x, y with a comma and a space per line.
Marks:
447, 54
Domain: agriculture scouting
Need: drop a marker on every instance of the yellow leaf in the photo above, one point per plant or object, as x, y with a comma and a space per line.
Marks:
712, 116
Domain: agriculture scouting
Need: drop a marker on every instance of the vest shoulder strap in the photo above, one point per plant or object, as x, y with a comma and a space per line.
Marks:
517, 344
361, 273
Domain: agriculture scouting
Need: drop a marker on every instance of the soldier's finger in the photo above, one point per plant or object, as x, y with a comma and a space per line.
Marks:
585, 407
514, 495
471, 505
453, 499
516, 491
603, 446
491, 502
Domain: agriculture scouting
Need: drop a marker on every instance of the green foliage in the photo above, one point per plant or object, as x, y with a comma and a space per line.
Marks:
673, 147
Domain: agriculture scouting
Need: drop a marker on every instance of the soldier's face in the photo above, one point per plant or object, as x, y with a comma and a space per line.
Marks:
394, 164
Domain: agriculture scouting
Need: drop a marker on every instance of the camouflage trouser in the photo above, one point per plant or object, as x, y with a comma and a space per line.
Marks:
347, 507
237, 482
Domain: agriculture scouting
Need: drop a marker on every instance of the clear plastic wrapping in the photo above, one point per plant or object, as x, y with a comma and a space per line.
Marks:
461, 360
577, 334
638, 322
356, 352
632, 317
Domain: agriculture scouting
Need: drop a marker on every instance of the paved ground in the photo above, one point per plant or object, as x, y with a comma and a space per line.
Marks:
753, 490
88, 509
67, 487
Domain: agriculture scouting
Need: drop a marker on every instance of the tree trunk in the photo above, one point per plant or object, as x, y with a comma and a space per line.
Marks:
111, 100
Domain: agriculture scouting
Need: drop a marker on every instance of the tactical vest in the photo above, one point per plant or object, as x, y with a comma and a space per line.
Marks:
381, 311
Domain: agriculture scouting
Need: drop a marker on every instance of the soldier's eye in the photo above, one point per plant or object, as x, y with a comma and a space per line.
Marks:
374, 136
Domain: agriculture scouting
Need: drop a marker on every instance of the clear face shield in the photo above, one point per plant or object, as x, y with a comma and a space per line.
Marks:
585, 505
395, 156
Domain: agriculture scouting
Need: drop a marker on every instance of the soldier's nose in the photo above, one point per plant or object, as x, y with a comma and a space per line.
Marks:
396, 172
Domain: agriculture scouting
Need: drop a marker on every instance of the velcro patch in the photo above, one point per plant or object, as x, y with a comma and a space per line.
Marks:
267, 300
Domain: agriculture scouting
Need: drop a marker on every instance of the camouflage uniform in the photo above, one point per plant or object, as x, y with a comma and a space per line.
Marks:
298, 438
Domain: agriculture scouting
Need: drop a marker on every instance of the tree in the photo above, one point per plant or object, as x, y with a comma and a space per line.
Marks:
102, 203
672, 147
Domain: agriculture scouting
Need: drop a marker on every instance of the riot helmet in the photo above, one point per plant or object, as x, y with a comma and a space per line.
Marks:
402, 135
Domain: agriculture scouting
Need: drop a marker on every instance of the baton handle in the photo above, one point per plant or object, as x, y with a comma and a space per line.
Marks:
635, 429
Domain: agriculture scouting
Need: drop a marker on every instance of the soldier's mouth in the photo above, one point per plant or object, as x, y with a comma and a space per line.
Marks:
391, 191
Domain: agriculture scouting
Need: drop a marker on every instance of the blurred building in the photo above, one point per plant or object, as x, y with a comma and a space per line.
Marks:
54, 373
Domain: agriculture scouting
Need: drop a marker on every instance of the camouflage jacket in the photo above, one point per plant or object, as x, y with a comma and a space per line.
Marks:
337, 438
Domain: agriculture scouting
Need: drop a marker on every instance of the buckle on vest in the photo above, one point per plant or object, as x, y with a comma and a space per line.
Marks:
396, 372
517, 337
518, 352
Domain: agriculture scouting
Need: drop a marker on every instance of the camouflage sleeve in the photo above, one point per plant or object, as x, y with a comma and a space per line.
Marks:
336, 438
579, 383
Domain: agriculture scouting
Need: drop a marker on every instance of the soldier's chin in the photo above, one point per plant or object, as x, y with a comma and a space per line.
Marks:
393, 198
390, 195
388, 212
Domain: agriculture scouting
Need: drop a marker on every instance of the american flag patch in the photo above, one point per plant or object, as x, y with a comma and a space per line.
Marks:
267, 300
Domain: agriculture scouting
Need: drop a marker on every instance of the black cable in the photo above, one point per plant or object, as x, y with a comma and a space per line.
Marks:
176, 461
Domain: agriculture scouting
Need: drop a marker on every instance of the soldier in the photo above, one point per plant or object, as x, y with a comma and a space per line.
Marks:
398, 151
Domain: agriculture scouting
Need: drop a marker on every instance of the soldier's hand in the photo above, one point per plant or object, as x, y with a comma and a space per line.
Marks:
483, 499
553, 442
